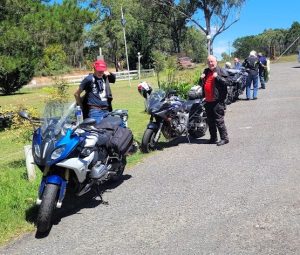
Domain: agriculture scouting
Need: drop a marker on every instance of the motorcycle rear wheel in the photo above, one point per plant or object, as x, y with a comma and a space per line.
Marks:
46, 209
148, 143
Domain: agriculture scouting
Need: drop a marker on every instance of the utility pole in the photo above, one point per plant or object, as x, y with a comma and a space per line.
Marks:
123, 22
100, 57
139, 64
208, 37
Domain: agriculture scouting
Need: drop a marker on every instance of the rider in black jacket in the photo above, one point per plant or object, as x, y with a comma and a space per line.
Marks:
214, 83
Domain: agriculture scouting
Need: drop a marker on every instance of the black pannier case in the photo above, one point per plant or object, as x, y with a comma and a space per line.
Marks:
121, 140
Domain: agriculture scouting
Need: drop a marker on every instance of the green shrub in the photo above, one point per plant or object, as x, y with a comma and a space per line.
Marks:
58, 92
19, 128
53, 62
18, 57
14, 73
182, 83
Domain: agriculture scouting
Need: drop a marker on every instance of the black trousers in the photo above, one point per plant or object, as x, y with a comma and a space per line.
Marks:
215, 119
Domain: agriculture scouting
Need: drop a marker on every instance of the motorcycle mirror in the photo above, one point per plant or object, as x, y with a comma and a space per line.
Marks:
24, 115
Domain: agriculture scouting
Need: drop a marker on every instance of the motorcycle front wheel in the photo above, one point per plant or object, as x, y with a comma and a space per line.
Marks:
46, 209
148, 143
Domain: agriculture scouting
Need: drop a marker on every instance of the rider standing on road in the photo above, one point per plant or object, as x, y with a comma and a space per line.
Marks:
98, 97
237, 64
252, 64
214, 84
262, 69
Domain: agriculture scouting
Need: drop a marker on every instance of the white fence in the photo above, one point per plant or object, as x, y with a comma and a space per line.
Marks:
134, 74
120, 76
76, 79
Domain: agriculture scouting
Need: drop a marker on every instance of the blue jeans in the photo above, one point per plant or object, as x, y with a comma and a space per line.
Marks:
97, 114
262, 79
252, 78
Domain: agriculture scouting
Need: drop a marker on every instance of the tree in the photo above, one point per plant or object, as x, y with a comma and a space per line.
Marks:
19, 53
194, 45
223, 13
226, 57
271, 42
292, 35
159, 62
244, 45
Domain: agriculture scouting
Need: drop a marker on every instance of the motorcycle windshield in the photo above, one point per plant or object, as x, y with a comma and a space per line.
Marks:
155, 100
57, 118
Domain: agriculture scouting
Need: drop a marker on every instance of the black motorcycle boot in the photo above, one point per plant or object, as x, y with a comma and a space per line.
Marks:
224, 136
213, 138
222, 142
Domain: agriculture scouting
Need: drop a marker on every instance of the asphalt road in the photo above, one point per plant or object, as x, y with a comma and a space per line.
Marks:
241, 198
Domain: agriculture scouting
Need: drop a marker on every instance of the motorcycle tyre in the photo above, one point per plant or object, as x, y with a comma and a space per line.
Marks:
198, 133
119, 172
46, 209
148, 144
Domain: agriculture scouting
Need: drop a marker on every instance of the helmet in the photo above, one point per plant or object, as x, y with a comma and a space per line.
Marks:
144, 89
195, 92
227, 65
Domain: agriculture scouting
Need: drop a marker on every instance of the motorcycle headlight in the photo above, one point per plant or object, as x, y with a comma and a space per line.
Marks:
57, 153
37, 150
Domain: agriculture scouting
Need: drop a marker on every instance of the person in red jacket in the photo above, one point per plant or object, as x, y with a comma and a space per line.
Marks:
214, 83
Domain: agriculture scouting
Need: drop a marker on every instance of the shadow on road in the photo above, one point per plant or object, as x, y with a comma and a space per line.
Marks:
180, 140
72, 204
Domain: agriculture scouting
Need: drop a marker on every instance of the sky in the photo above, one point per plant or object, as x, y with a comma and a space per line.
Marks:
255, 17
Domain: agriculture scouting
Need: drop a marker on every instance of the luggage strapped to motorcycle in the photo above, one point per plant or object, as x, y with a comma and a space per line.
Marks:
121, 138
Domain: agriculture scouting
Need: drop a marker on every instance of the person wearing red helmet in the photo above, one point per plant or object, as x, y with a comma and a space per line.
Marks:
97, 100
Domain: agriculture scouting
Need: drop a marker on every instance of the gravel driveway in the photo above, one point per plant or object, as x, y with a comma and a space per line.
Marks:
241, 198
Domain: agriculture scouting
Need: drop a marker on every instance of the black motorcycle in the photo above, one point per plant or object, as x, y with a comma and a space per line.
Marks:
174, 117
237, 86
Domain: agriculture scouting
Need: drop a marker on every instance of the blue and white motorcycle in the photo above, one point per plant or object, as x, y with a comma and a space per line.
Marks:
77, 156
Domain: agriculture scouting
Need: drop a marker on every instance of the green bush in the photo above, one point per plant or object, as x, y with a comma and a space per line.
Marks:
182, 83
19, 128
53, 61
58, 92
14, 73
18, 57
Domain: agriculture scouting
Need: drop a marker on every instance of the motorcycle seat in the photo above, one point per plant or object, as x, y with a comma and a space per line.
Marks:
110, 122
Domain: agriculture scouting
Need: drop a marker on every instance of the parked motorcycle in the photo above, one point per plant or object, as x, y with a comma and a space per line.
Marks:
76, 156
237, 86
174, 117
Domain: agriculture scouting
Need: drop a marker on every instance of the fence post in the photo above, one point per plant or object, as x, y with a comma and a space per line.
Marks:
29, 162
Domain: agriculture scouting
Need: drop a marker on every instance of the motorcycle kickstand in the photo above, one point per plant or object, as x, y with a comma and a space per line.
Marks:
98, 196
187, 136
